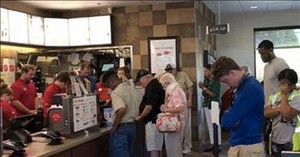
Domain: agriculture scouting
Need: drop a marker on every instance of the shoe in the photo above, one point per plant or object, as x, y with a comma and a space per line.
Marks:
209, 149
186, 151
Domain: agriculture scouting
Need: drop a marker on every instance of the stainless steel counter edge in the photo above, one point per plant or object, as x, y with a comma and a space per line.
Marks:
40, 149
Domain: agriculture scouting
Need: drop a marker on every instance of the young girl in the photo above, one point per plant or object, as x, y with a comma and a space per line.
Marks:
8, 111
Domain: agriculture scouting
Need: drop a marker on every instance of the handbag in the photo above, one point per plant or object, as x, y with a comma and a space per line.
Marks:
168, 122
296, 136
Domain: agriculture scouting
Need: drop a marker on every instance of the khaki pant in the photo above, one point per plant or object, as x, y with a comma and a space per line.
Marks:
253, 150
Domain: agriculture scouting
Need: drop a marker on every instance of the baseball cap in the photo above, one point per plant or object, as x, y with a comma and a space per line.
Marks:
140, 74
169, 67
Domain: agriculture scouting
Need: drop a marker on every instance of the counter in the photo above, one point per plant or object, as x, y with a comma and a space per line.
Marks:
95, 143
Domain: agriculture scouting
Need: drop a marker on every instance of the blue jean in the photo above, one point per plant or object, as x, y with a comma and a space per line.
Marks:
121, 142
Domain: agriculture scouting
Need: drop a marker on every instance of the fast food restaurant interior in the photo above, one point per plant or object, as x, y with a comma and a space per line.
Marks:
76, 38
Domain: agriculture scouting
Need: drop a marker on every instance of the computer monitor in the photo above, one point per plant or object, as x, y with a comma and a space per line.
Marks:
19, 128
25, 121
107, 66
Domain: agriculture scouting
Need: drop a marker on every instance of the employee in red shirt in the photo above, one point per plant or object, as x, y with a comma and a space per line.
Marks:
8, 111
57, 87
24, 91
103, 93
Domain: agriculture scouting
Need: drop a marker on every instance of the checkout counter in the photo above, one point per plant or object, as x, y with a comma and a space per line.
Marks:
95, 143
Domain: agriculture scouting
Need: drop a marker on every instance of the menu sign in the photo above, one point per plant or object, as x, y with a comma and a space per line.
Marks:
100, 30
79, 31
4, 25
18, 30
56, 32
84, 112
36, 30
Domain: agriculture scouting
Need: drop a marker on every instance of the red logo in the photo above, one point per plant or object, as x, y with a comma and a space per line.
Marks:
11, 68
5, 68
56, 117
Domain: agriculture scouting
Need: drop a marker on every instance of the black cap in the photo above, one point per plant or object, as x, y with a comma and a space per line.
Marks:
140, 74
169, 67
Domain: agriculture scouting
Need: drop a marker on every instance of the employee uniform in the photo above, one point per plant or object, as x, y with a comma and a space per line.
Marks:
48, 95
122, 140
8, 112
25, 93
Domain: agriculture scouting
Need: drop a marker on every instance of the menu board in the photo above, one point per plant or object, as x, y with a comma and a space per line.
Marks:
84, 112
56, 32
36, 30
100, 30
79, 31
4, 25
18, 28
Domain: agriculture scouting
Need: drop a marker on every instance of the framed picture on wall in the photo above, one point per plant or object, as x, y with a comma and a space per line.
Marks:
162, 51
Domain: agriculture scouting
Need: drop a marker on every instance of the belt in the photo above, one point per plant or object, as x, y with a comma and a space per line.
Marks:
126, 123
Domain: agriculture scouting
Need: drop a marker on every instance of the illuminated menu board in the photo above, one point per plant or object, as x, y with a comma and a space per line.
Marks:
100, 30
4, 25
36, 30
18, 30
79, 31
56, 32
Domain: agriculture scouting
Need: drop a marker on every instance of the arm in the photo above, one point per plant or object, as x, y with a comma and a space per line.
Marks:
21, 108
190, 97
145, 112
245, 101
270, 112
118, 117
286, 111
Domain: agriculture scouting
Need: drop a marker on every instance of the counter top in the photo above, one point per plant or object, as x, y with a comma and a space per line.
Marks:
41, 149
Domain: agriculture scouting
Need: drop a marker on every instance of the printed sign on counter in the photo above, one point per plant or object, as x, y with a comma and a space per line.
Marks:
84, 112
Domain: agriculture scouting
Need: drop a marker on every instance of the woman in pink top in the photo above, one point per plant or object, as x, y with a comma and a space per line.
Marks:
175, 103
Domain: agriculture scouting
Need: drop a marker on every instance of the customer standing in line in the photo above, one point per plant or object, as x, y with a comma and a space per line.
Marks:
244, 118
283, 108
272, 69
149, 109
125, 103
187, 85
211, 92
175, 104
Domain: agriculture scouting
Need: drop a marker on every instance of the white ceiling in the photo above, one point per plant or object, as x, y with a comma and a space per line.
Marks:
244, 6
236, 6
79, 5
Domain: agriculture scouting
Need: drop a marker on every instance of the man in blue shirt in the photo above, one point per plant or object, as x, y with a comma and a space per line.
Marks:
244, 118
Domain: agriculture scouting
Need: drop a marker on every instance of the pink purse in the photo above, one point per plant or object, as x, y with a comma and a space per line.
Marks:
168, 122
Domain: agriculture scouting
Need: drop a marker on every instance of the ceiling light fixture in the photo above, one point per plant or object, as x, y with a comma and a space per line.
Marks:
253, 7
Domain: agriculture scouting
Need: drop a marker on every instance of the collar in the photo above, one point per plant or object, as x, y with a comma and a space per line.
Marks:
243, 79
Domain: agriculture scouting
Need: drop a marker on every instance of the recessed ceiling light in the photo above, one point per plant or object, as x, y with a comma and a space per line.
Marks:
253, 7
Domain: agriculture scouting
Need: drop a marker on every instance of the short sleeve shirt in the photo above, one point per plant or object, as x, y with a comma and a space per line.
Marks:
154, 96
125, 96
271, 72
48, 95
283, 130
8, 111
185, 82
24, 92
213, 86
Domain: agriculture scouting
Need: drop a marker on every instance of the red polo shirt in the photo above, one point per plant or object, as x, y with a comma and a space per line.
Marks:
103, 94
25, 93
8, 111
48, 94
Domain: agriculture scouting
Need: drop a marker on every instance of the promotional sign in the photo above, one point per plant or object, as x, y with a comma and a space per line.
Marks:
217, 29
8, 70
